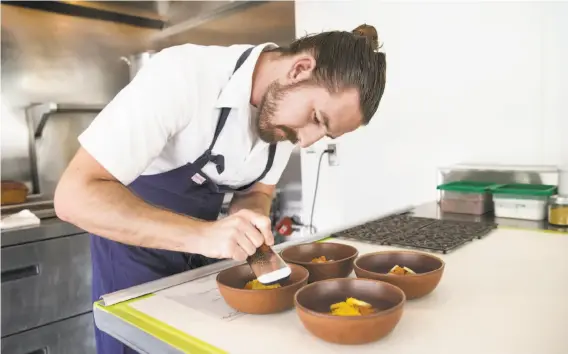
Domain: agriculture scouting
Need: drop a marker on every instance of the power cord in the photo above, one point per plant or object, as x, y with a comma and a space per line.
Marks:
311, 225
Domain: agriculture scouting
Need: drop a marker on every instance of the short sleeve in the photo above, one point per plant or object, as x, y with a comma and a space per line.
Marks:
281, 158
132, 130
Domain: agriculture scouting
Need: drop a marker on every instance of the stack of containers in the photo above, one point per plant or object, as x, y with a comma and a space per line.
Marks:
518, 201
523, 201
466, 197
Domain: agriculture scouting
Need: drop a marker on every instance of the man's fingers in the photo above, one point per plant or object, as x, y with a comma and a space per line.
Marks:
252, 233
239, 255
246, 244
262, 223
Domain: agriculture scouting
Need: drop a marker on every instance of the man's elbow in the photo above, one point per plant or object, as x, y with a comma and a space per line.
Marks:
63, 203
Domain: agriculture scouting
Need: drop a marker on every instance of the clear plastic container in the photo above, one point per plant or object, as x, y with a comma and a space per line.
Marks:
522, 201
466, 197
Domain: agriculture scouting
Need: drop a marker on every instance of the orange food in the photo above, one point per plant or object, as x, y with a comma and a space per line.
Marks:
256, 285
352, 307
398, 270
320, 259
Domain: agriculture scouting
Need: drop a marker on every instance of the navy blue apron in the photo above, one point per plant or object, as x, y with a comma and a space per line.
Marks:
186, 190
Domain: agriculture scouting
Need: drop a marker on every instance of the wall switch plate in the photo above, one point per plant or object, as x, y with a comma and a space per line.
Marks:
332, 155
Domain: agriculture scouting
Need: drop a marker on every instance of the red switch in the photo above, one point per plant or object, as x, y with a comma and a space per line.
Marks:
284, 227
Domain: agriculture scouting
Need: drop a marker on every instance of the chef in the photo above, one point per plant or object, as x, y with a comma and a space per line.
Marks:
195, 123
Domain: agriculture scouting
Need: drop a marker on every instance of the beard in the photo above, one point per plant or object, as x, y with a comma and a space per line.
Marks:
266, 130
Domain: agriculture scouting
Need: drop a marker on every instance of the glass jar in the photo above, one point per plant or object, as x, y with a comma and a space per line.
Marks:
558, 210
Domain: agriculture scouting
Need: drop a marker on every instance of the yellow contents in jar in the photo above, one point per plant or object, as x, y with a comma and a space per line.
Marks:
351, 307
256, 285
558, 215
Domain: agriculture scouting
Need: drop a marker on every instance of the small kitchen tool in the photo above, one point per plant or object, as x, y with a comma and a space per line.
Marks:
284, 226
268, 266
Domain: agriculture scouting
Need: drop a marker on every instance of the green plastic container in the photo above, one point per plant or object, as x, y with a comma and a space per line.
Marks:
466, 197
525, 191
523, 201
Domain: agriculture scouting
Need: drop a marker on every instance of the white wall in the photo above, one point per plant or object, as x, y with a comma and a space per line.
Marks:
466, 82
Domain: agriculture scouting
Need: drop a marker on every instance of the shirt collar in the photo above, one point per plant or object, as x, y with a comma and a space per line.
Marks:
236, 93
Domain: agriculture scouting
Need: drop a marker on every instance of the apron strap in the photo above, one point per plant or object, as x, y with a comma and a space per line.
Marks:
269, 162
208, 156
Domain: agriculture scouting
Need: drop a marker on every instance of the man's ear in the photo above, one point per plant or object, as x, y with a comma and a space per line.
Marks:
302, 68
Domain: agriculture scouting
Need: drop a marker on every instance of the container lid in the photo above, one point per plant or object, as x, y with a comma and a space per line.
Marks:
526, 189
559, 199
467, 186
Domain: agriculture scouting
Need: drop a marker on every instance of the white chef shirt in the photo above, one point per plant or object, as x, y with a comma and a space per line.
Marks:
167, 115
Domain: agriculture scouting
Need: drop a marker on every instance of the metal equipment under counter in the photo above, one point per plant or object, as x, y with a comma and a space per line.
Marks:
46, 290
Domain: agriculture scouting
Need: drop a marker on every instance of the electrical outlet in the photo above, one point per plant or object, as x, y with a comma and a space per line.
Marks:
332, 155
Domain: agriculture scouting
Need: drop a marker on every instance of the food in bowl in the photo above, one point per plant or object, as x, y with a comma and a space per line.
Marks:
398, 270
232, 282
428, 270
324, 260
257, 285
352, 307
314, 301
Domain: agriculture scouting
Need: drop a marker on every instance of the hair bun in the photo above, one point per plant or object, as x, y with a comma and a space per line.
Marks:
370, 32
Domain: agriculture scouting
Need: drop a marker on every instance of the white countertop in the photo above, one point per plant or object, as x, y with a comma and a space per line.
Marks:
506, 293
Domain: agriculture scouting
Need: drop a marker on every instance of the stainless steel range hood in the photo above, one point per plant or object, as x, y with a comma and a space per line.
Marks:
201, 22
135, 13
170, 16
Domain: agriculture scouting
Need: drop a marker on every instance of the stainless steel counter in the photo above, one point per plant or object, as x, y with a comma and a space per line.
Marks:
47, 229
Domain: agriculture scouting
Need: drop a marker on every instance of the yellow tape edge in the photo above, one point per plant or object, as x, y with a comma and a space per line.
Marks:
164, 332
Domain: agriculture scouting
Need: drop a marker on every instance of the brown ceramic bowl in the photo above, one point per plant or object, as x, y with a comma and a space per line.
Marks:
231, 283
313, 307
428, 269
342, 257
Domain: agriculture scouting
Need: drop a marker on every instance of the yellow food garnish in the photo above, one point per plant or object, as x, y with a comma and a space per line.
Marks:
320, 259
256, 285
354, 302
351, 307
398, 270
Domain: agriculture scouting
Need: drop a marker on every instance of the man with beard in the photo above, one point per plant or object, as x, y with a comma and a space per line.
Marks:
195, 123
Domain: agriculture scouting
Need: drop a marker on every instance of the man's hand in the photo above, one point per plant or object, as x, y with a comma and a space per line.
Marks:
236, 236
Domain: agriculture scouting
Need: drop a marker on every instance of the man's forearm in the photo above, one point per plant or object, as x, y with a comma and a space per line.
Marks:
109, 209
256, 201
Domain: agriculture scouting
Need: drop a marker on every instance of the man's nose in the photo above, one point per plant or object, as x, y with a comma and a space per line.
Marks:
308, 136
